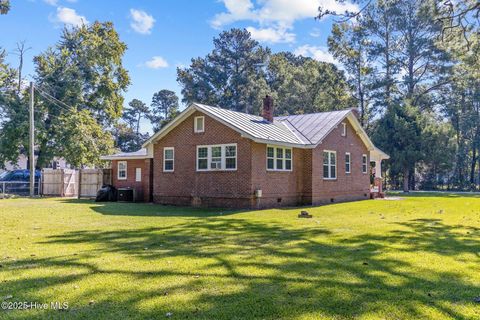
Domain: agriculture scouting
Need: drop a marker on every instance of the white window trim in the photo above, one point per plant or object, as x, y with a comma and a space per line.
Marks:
344, 129
137, 177
118, 170
365, 162
223, 158
329, 165
349, 162
164, 160
275, 158
196, 129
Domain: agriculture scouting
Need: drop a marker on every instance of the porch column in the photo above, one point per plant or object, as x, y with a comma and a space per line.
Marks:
378, 169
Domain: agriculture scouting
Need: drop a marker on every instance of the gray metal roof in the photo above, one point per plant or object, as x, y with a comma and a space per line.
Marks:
306, 130
255, 126
312, 128
140, 154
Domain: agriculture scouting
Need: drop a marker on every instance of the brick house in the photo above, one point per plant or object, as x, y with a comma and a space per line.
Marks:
209, 156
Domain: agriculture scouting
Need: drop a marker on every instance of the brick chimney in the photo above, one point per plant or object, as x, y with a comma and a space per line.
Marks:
267, 110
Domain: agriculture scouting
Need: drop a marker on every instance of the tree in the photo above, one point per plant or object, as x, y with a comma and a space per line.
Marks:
82, 76
20, 52
421, 61
126, 139
399, 133
457, 18
379, 22
303, 85
4, 6
460, 102
438, 152
80, 129
164, 108
13, 115
127, 135
134, 113
230, 76
349, 44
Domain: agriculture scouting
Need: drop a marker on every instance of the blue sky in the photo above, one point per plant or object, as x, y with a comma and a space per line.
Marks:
164, 34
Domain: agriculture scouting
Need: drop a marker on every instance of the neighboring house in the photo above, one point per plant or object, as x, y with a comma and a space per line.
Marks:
209, 156
22, 163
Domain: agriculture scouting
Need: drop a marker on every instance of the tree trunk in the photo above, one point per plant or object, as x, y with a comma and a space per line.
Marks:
472, 167
405, 179
411, 178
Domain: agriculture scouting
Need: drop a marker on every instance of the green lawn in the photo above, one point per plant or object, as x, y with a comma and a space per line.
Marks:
417, 258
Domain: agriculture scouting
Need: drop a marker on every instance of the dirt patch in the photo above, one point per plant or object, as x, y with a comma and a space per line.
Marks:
390, 198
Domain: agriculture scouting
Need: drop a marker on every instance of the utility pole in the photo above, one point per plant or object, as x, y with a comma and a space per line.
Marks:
32, 144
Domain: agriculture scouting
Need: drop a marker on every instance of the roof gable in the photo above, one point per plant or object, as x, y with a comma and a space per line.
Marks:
249, 126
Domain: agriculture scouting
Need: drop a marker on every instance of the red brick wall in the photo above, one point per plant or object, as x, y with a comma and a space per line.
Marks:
303, 185
353, 186
142, 188
279, 188
186, 186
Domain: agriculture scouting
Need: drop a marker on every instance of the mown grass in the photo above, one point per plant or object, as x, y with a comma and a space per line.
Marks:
418, 258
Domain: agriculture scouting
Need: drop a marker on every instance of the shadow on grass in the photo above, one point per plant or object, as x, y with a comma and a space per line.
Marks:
434, 194
150, 209
280, 272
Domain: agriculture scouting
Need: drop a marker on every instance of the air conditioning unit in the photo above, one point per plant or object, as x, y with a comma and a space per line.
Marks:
216, 165
126, 195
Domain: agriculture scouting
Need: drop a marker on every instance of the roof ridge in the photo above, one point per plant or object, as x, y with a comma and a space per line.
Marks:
311, 114
234, 111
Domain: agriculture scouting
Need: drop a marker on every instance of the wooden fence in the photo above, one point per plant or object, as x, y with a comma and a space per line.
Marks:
74, 183
59, 182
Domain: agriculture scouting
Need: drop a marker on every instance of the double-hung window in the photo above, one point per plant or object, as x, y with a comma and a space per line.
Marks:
168, 159
138, 174
217, 157
364, 163
279, 159
122, 170
348, 162
329, 165
199, 124
344, 129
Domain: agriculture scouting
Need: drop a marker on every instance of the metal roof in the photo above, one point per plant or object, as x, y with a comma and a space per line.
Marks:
312, 128
255, 126
140, 154
301, 131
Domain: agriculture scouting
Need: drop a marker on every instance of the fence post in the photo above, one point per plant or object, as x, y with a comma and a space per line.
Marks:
40, 184
3, 190
62, 190
79, 183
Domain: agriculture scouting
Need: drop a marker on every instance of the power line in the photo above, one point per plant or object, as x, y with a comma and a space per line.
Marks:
47, 96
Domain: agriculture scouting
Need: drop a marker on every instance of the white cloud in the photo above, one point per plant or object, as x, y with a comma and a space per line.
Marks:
315, 33
70, 17
142, 22
156, 62
317, 53
236, 10
279, 15
272, 35
51, 2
